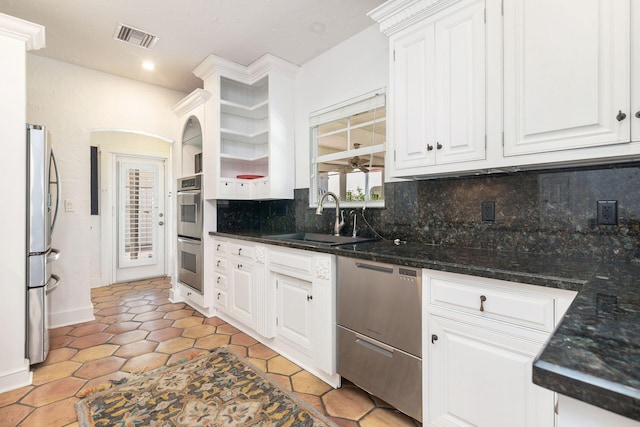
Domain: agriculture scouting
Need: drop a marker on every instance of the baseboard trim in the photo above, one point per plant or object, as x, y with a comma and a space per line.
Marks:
13, 380
71, 317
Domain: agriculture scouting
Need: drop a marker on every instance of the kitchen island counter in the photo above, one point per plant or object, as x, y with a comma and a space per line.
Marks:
593, 355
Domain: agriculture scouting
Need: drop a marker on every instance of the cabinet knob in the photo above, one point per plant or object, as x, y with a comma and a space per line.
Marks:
239, 251
482, 300
621, 116
218, 263
218, 295
434, 338
239, 266
429, 147
439, 146
218, 247
309, 297
638, 114
218, 280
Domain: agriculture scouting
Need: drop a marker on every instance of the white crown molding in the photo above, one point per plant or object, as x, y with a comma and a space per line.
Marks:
191, 101
396, 15
28, 32
249, 74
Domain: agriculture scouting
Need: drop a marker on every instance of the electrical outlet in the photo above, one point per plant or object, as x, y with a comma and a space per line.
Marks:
607, 212
488, 211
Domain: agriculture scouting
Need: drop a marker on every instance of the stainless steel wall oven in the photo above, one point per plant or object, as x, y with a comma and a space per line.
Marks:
189, 201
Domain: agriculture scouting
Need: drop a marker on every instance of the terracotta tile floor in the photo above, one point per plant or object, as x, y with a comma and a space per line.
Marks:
138, 329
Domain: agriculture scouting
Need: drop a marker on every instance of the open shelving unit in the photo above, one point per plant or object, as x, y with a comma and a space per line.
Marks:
252, 157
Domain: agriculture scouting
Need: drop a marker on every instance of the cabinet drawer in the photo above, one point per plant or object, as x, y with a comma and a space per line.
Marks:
220, 300
220, 264
192, 295
300, 262
243, 189
226, 188
241, 251
520, 308
220, 247
221, 282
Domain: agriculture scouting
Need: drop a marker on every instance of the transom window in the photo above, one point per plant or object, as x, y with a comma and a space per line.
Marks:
348, 151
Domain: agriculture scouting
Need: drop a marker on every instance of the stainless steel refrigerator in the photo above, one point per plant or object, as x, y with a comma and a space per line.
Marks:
43, 197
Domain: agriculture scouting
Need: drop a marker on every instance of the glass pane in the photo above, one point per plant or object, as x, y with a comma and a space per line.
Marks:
368, 135
333, 126
368, 116
138, 211
348, 178
332, 143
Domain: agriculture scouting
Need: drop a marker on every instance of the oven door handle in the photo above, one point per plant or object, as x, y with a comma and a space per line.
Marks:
50, 287
187, 240
189, 192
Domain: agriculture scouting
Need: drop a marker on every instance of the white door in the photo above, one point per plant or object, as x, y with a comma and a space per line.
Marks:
481, 378
294, 305
566, 74
460, 83
412, 96
242, 301
140, 218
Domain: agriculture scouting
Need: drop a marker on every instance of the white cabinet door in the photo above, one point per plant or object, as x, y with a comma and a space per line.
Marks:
242, 298
566, 74
460, 83
481, 378
294, 303
413, 97
438, 89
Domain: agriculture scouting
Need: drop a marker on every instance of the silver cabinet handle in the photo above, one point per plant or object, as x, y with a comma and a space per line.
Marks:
161, 223
482, 300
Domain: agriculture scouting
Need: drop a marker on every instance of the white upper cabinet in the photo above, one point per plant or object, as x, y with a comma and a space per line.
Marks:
438, 89
251, 128
481, 86
566, 74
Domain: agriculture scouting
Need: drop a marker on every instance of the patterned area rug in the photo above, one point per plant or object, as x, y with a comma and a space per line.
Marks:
218, 389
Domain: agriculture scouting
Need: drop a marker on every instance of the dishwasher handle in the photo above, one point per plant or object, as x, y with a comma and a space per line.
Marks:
378, 268
384, 349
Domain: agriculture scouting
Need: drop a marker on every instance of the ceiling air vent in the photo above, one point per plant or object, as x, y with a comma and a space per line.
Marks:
135, 36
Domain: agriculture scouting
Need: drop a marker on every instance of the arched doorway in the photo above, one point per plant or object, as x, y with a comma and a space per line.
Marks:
133, 220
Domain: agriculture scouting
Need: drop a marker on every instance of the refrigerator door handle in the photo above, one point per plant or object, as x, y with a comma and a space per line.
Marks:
50, 287
54, 254
58, 189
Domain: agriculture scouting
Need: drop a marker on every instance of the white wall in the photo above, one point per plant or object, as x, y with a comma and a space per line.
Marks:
354, 67
14, 40
72, 101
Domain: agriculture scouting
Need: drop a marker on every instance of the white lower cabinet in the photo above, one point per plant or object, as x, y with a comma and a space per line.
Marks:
294, 299
481, 338
481, 377
283, 297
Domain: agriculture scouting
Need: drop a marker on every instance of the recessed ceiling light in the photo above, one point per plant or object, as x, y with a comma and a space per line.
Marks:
148, 65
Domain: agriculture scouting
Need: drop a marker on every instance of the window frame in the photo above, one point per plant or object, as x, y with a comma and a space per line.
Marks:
344, 110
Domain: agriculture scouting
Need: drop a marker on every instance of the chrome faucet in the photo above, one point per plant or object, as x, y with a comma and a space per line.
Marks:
338, 224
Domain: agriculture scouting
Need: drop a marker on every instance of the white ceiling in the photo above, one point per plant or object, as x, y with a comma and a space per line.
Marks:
81, 32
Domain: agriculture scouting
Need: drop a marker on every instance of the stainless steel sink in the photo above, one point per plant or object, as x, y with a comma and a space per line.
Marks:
319, 239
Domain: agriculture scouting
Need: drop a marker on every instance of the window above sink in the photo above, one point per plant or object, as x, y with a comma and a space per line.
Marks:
348, 143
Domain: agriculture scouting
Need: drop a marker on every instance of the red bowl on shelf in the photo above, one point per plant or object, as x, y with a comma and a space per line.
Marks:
249, 176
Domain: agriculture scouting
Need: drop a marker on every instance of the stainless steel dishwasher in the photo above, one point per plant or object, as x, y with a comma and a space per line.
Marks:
379, 331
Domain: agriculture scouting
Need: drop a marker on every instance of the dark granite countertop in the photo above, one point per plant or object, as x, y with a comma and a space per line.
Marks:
593, 355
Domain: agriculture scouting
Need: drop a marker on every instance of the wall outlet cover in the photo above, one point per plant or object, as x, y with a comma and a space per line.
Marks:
607, 212
488, 211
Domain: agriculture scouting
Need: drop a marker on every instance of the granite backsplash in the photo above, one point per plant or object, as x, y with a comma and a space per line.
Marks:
546, 212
